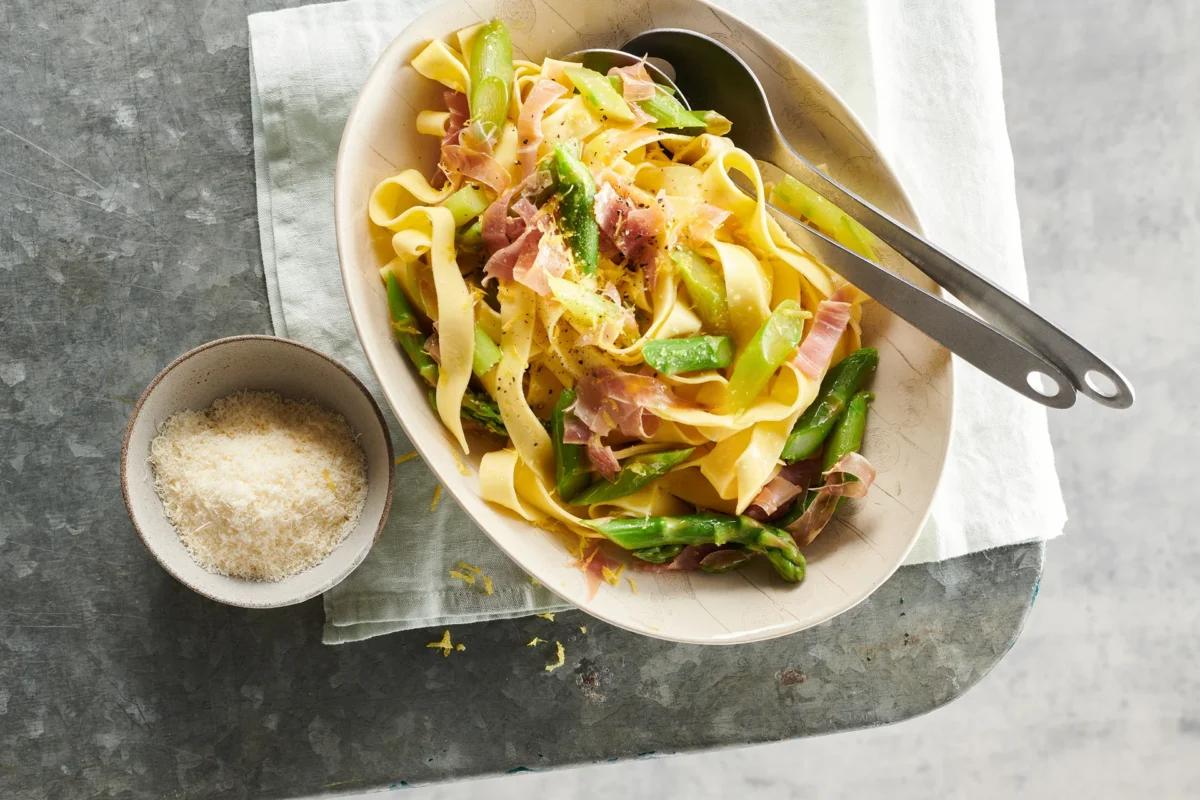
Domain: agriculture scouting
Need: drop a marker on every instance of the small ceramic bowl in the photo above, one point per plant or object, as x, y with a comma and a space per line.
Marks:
265, 363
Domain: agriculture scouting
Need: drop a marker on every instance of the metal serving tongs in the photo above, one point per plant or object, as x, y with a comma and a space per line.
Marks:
1008, 340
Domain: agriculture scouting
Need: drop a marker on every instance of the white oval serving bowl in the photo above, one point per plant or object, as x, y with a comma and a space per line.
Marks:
264, 363
910, 426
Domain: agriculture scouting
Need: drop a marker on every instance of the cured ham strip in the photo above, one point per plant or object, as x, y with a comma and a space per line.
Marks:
475, 166
608, 399
851, 476
812, 357
529, 125
636, 83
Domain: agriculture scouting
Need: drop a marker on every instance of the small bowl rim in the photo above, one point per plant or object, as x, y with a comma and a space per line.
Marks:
387, 501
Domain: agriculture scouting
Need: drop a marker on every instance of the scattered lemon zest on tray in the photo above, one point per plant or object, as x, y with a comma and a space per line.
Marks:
437, 497
406, 457
445, 645
547, 615
560, 657
466, 578
488, 586
583, 629
535, 641
632, 584
468, 567
534, 582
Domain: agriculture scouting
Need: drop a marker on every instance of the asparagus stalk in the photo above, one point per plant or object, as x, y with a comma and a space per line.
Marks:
407, 330
571, 473
466, 204
635, 474
673, 356
847, 437
706, 288
639, 533
800, 201
840, 384
491, 80
470, 238
576, 208
765, 352
483, 411
487, 353
671, 114
599, 93
658, 555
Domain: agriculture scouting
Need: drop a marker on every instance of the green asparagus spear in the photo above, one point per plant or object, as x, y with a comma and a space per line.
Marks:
658, 555
636, 473
765, 352
491, 80
798, 200
599, 93
840, 383
483, 411
576, 208
571, 471
671, 114
466, 204
480, 409
847, 435
706, 288
673, 356
638, 533
408, 332
487, 353
470, 238
846, 438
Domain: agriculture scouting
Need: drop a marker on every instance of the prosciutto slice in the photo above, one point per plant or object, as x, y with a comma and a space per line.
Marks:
792, 480
636, 83
529, 124
851, 476
602, 457
636, 225
812, 357
475, 166
607, 399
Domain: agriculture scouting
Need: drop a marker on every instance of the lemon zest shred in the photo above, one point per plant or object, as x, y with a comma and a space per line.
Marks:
583, 629
547, 615
467, 567
469, 580
612, 576
560, 657
460, 647
535, 641
534, 582
488, 586
437, 497
406, 457
445, 645
632, 584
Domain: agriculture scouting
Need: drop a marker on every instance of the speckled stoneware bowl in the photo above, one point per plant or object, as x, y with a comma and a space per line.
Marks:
264, 363
911, 419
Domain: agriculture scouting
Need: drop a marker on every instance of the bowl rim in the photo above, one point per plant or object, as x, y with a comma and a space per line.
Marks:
359, 557
381, 68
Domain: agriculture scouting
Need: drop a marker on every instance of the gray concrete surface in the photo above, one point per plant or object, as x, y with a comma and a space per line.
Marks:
127, 235
1101, 695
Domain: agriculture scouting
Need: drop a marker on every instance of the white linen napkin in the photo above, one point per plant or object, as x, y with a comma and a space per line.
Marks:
924, 78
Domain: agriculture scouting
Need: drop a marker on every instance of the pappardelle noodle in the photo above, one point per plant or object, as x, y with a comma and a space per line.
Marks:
644, 352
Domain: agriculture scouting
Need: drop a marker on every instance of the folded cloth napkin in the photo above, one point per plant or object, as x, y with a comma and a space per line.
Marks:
924, 78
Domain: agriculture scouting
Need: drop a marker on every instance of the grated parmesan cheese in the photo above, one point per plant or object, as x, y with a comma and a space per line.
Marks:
257, 486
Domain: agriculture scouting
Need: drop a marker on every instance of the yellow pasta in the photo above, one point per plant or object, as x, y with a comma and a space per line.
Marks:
560, 251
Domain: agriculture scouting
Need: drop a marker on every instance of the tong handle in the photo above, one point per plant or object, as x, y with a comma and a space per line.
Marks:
1083, 370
